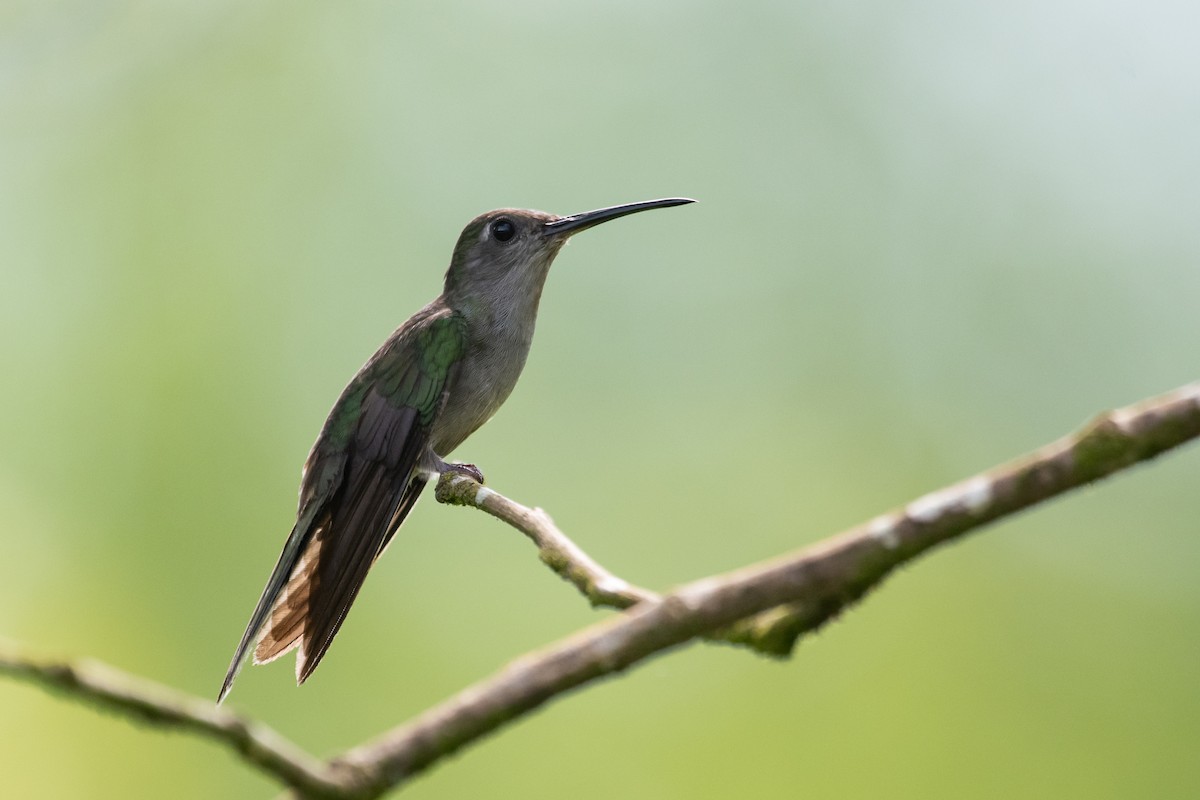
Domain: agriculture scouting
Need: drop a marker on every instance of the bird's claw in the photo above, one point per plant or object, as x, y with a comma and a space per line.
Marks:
469, 470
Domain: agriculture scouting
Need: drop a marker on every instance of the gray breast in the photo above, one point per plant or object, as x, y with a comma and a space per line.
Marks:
485, 379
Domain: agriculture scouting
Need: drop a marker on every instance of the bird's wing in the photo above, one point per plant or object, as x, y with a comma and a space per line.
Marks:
361, 480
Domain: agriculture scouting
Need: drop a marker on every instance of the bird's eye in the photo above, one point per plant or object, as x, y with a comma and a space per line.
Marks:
504, 229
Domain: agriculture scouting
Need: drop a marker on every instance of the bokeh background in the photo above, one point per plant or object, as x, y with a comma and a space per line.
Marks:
931, 236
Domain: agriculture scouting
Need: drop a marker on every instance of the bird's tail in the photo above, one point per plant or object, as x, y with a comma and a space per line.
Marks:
315, 581
295, 547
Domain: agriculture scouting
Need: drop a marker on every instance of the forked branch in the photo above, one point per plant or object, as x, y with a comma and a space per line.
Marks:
765, 606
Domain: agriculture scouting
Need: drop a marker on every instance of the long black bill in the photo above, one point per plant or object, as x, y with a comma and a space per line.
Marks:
581, 222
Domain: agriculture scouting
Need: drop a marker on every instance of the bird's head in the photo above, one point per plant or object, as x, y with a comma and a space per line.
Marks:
503, 256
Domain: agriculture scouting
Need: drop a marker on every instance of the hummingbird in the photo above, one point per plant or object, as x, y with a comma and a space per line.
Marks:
433, 382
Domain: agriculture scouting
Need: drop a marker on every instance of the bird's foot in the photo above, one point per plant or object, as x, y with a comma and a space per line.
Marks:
469, 470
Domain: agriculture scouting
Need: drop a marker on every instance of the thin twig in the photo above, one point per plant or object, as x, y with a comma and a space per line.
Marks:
782, 598
771, 632
556, 550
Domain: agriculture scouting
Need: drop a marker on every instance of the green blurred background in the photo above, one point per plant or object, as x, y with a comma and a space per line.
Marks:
931, 236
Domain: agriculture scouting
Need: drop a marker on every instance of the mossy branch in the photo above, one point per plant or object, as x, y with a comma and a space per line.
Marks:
766, 606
